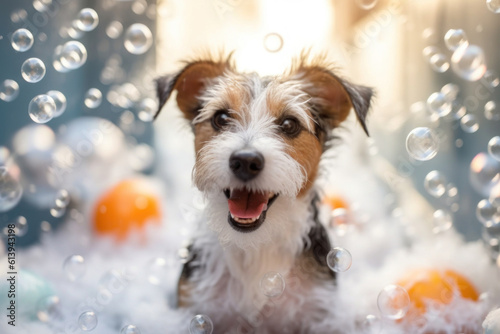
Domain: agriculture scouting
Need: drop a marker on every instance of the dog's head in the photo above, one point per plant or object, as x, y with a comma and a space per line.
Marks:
260, 138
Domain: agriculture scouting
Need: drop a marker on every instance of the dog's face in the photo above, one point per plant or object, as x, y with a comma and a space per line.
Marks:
257, 139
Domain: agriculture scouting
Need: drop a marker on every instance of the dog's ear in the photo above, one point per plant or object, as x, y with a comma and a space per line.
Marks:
189, 83
332, 97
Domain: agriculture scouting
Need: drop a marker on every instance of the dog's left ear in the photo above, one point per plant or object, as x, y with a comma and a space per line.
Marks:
332, 97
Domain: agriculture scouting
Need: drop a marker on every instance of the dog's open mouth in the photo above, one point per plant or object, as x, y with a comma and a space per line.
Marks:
247, 209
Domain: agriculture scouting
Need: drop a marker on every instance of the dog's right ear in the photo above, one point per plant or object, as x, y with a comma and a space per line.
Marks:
189, 83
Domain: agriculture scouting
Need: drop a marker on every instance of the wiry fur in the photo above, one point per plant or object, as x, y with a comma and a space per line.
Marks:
223, 279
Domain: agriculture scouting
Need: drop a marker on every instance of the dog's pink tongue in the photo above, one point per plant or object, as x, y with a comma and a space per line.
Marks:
247, 204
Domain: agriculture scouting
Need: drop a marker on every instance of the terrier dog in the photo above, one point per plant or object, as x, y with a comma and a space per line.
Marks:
258, 144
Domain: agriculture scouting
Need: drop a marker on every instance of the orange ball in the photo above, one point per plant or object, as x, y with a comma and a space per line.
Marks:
437, 286
335, 202
126, 207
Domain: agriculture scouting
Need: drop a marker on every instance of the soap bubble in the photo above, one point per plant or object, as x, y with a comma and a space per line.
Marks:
422, 144
457, 110
87, 19
439, 63
72, 55
62, 198
201, 324
484, 173
272, 284
393, 302
138, 39
114, 29
21, 226
435, 183
429, 51
443, 221
33, 70
10, 190
439, 104
48, 308
74, 267
491, 112
147, 110
41, 5
273, 42
487, 213
57, 211
455, 38
494, 147
139, 6
491, 79
493, 5
469, 124
59, 100
22, 40
41, 108
130, 329
9, 90
366, 4
468, 62
93, 98
87, 321
339, 259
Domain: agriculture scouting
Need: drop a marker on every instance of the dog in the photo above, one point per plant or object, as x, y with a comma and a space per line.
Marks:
258, 143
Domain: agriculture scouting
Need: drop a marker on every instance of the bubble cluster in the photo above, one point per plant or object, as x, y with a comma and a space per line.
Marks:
130, 329
59, 100
201, 324
339, 259
439, 103
455, 38
138, 39
42, 108
435, 183
9, 90
273, 42
422, 144
272, 284
69, 56
468, 62
22, 40
87, 19
393, 302
33, 70
87, 321
442, 221
491, 112
469, 124
493, 6
74, 267
93, 98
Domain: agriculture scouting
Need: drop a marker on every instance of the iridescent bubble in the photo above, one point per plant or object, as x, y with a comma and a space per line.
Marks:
138, 39
9, 90
87, 321
21, 226
272, 284
339, 259
59, 100
366, 4
435, 183
487, 213
22, 40
41, 108
491, 112
33, 70
147, 110
201, 324
72, 55
273, 42
93, 98
422, 144
469, 124
48, 308
114, 29
443, 221
484, 173
468, 62
439, 63
454, 38
439, 104
62, 198
494, 147
57, 211
87, 19
450, 92
74, 267
393, 302
493, 6
130, 329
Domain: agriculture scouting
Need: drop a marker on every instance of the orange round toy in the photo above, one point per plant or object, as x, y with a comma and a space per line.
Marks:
127, 206
437, 286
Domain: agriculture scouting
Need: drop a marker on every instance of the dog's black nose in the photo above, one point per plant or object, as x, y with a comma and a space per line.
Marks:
246, 164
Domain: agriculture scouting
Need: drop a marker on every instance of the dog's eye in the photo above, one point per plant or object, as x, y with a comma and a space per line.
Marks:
291, 127
220, 119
